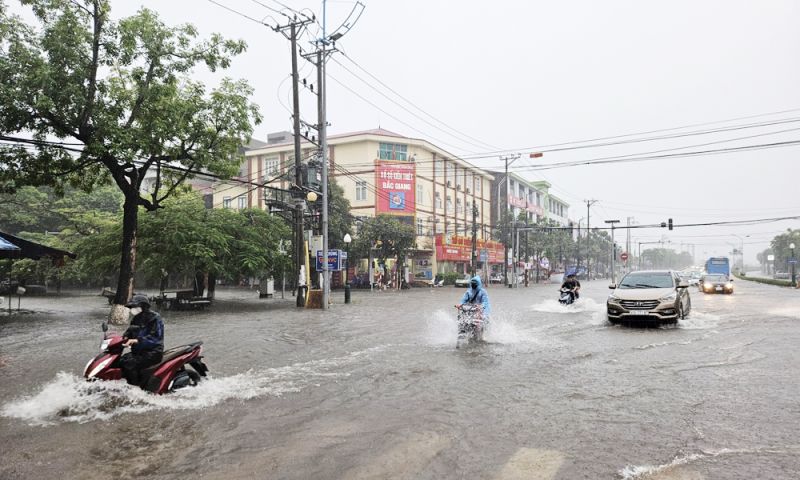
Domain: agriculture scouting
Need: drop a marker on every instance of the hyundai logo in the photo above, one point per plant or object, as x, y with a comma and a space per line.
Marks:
639, 304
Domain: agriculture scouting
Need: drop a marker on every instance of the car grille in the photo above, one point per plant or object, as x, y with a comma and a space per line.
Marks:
639, 304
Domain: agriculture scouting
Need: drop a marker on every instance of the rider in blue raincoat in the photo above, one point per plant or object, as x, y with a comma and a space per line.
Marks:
476, 294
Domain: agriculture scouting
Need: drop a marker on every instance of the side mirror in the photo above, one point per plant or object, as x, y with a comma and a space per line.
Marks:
613, 286
104, 327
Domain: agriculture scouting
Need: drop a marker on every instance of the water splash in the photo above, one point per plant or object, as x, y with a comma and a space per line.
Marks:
70, 398
699, 321
507, 329
580, 305
631, 472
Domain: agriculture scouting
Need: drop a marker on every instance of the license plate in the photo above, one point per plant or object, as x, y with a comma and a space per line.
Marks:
640, 312
719, 289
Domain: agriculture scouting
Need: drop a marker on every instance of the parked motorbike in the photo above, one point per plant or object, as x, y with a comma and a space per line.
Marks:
168, 375
566, 296
470, 324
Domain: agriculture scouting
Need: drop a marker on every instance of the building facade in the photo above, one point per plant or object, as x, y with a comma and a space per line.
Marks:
383, 173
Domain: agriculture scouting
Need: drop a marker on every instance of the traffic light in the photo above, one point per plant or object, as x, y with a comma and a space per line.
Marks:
669, 224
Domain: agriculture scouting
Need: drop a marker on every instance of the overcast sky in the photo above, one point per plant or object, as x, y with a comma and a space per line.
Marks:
520, 75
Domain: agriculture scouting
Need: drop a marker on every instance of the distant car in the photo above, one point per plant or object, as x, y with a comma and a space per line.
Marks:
650, 296
463, 282
781, 276
716, 284
496, 278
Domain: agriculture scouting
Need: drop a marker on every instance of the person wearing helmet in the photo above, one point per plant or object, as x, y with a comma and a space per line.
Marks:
476, 294
573, 284
145, 336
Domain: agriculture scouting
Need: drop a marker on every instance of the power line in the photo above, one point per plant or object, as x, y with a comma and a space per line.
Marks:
459, 135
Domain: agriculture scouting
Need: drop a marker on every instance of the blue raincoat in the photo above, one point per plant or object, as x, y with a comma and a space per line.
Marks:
478, 295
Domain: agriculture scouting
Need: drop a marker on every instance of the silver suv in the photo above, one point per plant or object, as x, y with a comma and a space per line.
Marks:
652, 296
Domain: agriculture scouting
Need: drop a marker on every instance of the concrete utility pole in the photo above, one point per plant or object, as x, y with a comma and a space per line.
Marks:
298, 174
589, 203
613, 251
474, 239
508, 159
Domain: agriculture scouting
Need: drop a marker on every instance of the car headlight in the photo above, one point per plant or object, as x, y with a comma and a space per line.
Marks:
707, 285
613, 298
668, 298
728, 285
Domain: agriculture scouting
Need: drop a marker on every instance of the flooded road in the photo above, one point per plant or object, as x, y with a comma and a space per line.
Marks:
376, 389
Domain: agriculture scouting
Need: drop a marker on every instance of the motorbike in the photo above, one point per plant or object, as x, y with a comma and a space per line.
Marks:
470, 324
566, 296
171, 373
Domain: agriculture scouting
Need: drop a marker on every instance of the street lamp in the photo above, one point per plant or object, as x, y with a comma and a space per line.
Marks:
741, 251
793, 261
347, 239
613, 250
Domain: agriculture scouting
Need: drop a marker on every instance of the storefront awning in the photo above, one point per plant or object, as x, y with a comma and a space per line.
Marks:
28, 249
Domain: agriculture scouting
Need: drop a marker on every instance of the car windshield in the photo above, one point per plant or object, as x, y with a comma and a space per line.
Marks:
716, 278
646, 280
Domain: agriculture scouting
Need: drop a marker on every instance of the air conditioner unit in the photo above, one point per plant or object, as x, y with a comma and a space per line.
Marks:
468, 190
449, 184
458, 187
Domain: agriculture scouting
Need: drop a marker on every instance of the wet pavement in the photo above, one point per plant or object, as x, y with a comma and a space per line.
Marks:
377, 389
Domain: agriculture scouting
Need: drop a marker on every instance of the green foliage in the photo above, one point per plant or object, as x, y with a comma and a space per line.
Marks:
186, 238
120, 97
390, 237
768, 281
340, 220
450, 278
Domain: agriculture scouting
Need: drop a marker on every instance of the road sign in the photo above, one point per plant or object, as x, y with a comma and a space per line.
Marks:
792, 260
484, 255
624, 256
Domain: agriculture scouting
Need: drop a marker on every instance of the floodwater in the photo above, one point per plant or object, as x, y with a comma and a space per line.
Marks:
377, 389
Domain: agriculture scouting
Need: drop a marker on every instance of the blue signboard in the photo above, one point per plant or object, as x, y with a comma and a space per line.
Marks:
335, 258
484, 255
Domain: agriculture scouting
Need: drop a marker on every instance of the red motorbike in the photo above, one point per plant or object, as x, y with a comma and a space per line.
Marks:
168, 375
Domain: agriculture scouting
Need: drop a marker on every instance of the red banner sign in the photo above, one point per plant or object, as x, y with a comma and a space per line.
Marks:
456, 248
396, 184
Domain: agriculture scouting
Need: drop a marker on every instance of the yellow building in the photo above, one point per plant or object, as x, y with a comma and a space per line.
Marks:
385, 173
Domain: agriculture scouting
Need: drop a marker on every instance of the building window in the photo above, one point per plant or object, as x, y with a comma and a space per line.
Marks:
438, 169
271, 166
420, 226
458, 205
361, 190
478, 181
226, 202
242, 203
438, 200
420, 195
449, 204
393, 151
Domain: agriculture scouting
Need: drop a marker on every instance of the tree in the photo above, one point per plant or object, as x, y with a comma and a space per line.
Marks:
119, 98
389, 237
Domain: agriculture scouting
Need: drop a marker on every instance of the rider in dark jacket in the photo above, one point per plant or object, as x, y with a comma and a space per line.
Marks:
145, 336
573, 284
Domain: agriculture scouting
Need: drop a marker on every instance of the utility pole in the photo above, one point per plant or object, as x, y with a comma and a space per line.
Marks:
507, 159
298, 174
474, 238
589, 203
613, 251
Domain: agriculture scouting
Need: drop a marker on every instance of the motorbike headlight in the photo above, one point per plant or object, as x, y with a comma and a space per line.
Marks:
668, 298
104, 345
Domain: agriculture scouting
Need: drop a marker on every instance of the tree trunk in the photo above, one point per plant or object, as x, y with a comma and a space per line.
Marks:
127, 265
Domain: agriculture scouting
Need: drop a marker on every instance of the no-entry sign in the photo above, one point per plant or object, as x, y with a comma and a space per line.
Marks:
624, 256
